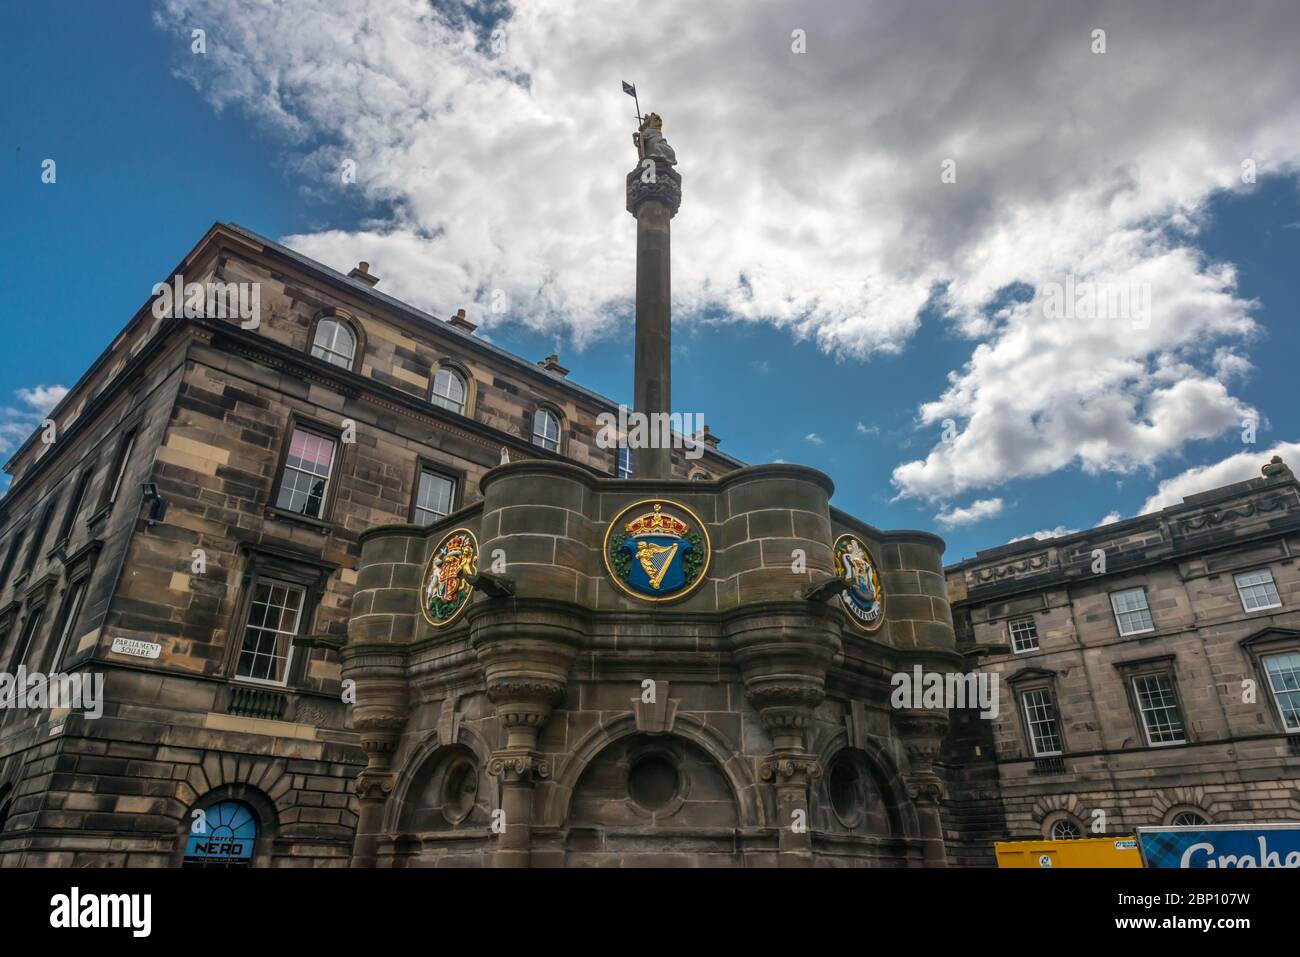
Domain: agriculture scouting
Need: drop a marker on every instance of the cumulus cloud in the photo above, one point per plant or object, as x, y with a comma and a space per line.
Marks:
813, 195
18, 422
1235, 468
976, 511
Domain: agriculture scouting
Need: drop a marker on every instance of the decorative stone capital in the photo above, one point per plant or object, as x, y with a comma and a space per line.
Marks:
922, 732
924, 788
374, 785
665, 187
789, 768
518, 766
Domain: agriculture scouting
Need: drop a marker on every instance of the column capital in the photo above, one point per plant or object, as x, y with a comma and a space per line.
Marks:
664, 186
515, 766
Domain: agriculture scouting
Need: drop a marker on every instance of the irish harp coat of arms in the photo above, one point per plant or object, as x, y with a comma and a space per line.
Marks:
657, 550
444, 591
864, 598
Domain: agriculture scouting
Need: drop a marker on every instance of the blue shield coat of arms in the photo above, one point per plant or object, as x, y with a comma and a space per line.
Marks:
656, 555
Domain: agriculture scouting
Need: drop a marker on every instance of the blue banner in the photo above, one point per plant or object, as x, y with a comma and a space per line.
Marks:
1230, 845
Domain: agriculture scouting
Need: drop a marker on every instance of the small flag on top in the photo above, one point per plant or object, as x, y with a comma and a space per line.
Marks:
629, 89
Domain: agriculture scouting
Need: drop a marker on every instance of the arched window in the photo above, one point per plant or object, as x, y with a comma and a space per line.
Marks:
222, 835
1189, 819
1065, 830
700, 476
546, 430
448, 390
335, 342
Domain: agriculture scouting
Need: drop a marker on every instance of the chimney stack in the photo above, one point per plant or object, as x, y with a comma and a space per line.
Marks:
552, 364
459, 321
362, 273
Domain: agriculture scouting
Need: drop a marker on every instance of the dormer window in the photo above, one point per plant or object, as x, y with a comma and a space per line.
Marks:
448, 390
335, 342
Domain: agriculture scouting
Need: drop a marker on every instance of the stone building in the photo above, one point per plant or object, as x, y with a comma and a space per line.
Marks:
223, 515
241, 431
1149, 672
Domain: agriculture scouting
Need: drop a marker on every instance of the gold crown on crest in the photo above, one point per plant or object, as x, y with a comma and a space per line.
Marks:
656, 522
652, 121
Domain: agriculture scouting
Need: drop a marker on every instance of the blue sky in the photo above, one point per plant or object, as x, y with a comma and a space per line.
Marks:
149, 154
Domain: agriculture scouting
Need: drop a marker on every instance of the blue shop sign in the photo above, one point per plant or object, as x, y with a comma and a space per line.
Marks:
1226, 845
223, 836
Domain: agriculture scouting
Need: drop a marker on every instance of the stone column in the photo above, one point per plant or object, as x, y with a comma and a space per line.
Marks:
784, 659
526, 658
922, 732
654, 193
379, 716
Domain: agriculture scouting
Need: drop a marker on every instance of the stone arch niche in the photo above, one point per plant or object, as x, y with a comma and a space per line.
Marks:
446, 793
652, 800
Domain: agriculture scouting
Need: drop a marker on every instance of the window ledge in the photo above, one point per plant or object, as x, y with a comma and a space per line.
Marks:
320, 524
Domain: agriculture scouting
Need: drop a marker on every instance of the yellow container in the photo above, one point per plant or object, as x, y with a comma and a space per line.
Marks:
1080, 852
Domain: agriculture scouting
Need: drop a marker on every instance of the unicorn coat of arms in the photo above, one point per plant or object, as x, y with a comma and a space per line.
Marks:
445, 591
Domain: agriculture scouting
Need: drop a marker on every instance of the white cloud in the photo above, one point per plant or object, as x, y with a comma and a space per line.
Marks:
968, 515
814, 438
874, 430
1045, 533
813, 198
17, 423
1235, 468
1110, 518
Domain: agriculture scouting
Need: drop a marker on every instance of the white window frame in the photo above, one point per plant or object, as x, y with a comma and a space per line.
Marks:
1031, 722
1064, 822
541, 439
444, 399
1120, 612
1033, 633
1173, 703
329, 351
270, 582
623, 463
1292, 672
433, 512
75, 602
1266, 583
328, 477
124, 460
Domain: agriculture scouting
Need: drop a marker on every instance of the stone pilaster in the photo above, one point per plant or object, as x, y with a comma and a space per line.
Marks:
922, 732
784, 659
526, 657
379, 715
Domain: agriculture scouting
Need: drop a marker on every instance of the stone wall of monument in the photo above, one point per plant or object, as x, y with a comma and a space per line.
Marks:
443, 709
